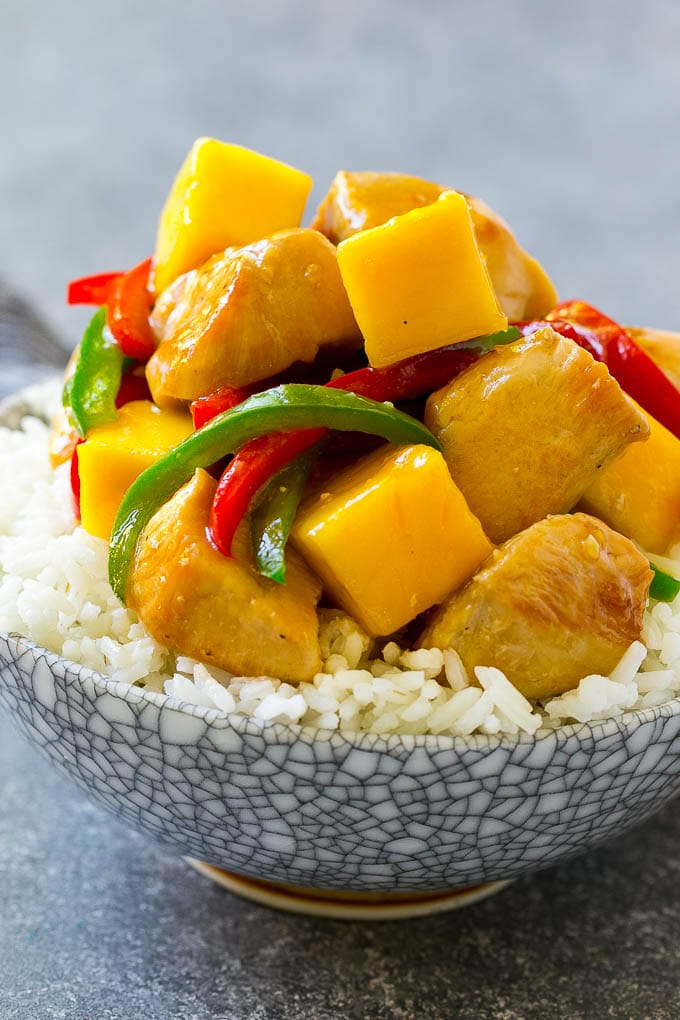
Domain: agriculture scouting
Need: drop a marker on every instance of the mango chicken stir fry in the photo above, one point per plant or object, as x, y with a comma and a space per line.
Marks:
386, 412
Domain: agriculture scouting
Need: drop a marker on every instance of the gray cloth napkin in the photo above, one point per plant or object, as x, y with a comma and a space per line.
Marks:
29, 350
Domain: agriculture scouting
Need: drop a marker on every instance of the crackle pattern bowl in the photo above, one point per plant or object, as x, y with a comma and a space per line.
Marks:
330, 811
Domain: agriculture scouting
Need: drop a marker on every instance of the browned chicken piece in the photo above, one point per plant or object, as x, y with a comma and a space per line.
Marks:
220, 610
361, 200
524, 289
559, 601
248, 313
662, 346
526, 428
358, 201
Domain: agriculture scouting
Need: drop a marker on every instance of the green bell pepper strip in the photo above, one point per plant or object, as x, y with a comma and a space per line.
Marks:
293, 406
92, 390
274, 514
664, 587
252, 467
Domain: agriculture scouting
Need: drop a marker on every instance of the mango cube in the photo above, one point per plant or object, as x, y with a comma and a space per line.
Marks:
639, 493
419, 282
390, 536
224, 195
113, 455
361, 200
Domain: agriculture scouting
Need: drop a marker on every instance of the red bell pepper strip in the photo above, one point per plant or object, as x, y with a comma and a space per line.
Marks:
91, 290
75, 479
632, 367
132, 387
283, 407
223, 399
246, 473
128, 308
565, 329
255, 463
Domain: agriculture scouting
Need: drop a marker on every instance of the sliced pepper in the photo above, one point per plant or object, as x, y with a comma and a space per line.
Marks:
273, 517
132, 387
255, 463
128, 308
75, 480
92, 390
632, 367
247, 472
91, 290
284, 407
664, 587
203, 409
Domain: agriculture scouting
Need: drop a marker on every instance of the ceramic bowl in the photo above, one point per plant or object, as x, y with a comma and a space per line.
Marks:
324, 810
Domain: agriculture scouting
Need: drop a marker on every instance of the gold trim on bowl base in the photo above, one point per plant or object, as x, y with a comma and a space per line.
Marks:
345, 906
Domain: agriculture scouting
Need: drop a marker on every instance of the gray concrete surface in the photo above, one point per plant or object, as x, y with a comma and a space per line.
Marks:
563, 115
96, 923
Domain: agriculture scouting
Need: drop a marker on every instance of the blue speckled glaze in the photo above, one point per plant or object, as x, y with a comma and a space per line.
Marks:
322, 809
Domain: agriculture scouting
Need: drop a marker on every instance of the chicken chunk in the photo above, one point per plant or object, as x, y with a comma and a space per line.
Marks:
526, 429
559, 601
639, 494
524, 289
362, 200
247, 314
359, 201
193, 599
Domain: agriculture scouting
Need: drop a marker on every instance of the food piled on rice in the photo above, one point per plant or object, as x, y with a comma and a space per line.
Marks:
363, 475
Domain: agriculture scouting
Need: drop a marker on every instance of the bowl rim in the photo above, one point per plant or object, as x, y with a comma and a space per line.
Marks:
275, 732
30, 399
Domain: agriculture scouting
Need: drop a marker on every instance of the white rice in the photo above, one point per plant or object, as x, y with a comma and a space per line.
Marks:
54, 591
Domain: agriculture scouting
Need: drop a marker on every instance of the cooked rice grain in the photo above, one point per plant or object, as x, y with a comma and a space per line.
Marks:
54, 590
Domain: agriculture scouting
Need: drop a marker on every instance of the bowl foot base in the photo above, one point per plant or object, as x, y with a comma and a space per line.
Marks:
345, 906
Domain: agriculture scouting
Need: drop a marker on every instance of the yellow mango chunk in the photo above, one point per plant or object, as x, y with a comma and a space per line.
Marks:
224, 195
390, 536
639, 493
419, 281
361, 200
113, 455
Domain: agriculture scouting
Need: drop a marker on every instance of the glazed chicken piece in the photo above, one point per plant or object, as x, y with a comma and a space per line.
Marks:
526, 429
220, 610
559, 601
359, 201
662, 346
248, 313
524, 289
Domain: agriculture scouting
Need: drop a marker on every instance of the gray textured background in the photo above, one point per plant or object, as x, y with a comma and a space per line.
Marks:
563, 115
566, 117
